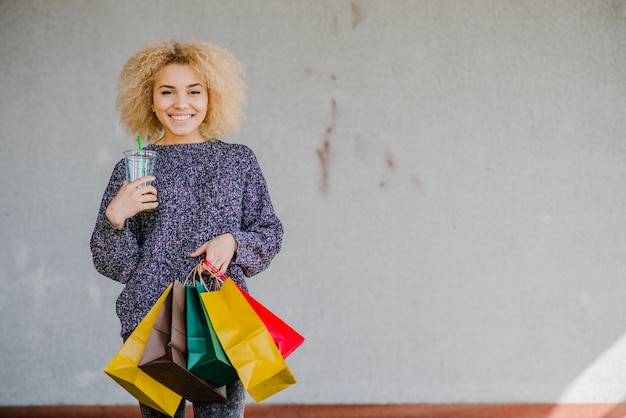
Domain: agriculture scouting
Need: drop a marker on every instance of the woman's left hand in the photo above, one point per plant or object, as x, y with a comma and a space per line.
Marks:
219, 250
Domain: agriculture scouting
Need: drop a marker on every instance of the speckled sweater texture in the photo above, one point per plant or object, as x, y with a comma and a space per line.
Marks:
204, 190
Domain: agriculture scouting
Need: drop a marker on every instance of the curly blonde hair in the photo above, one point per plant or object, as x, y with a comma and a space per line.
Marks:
220, 70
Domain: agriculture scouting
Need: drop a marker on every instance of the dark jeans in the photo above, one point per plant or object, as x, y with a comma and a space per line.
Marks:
231, 408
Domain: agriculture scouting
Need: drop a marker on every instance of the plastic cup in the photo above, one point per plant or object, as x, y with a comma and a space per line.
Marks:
140, 163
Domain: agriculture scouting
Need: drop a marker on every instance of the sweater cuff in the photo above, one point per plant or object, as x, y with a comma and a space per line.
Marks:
239, 238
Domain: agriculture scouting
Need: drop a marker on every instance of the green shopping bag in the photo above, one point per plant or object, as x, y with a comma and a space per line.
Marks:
206, 358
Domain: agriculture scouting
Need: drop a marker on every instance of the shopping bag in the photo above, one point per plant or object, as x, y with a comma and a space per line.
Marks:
247, 342
165, 358
206, 357
124, 367
286, 338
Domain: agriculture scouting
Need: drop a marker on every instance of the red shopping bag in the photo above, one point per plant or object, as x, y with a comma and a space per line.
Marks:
286, 338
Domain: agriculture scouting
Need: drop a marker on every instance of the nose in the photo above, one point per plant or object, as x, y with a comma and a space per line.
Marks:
181, 102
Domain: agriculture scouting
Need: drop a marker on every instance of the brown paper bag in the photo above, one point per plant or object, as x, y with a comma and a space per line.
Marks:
165, 357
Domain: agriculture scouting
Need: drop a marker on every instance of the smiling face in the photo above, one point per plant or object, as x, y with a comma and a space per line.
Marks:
180, 101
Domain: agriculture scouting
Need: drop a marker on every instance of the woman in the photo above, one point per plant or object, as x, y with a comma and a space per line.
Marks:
208, 198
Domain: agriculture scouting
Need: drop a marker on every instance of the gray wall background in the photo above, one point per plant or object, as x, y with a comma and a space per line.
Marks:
450, 175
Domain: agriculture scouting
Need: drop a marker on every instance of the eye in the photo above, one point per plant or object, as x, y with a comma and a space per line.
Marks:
166, 93
195, 92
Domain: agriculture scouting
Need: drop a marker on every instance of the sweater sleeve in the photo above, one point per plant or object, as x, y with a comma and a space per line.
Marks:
260, 236
115, 252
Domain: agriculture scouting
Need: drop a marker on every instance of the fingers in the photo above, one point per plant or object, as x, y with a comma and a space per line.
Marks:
220, 261
199, 251
219, 251
141, 181
131, 199
143, 198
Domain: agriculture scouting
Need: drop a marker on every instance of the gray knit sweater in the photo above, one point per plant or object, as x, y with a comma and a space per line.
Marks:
204, 190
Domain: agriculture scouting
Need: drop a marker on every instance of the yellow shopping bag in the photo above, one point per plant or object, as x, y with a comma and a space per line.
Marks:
247, 342
124, 367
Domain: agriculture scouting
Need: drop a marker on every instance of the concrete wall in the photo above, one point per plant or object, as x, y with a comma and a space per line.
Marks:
450, 174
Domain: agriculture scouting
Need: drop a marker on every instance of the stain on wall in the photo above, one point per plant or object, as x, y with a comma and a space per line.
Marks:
323, 152
357, 14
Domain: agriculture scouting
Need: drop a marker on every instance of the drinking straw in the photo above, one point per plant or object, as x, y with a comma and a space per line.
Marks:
143, 167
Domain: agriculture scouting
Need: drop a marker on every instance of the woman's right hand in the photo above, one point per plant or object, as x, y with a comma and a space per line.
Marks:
130, 200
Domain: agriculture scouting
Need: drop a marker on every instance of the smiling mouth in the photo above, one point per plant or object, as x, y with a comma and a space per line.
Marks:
181, 118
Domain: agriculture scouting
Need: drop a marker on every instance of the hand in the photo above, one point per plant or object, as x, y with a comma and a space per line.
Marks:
130, 200
219, 250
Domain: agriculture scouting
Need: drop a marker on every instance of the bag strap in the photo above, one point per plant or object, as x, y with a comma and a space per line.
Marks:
196, 274
217, 272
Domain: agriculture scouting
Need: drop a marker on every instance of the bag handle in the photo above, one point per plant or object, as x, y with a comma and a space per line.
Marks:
217, 272
196, 274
